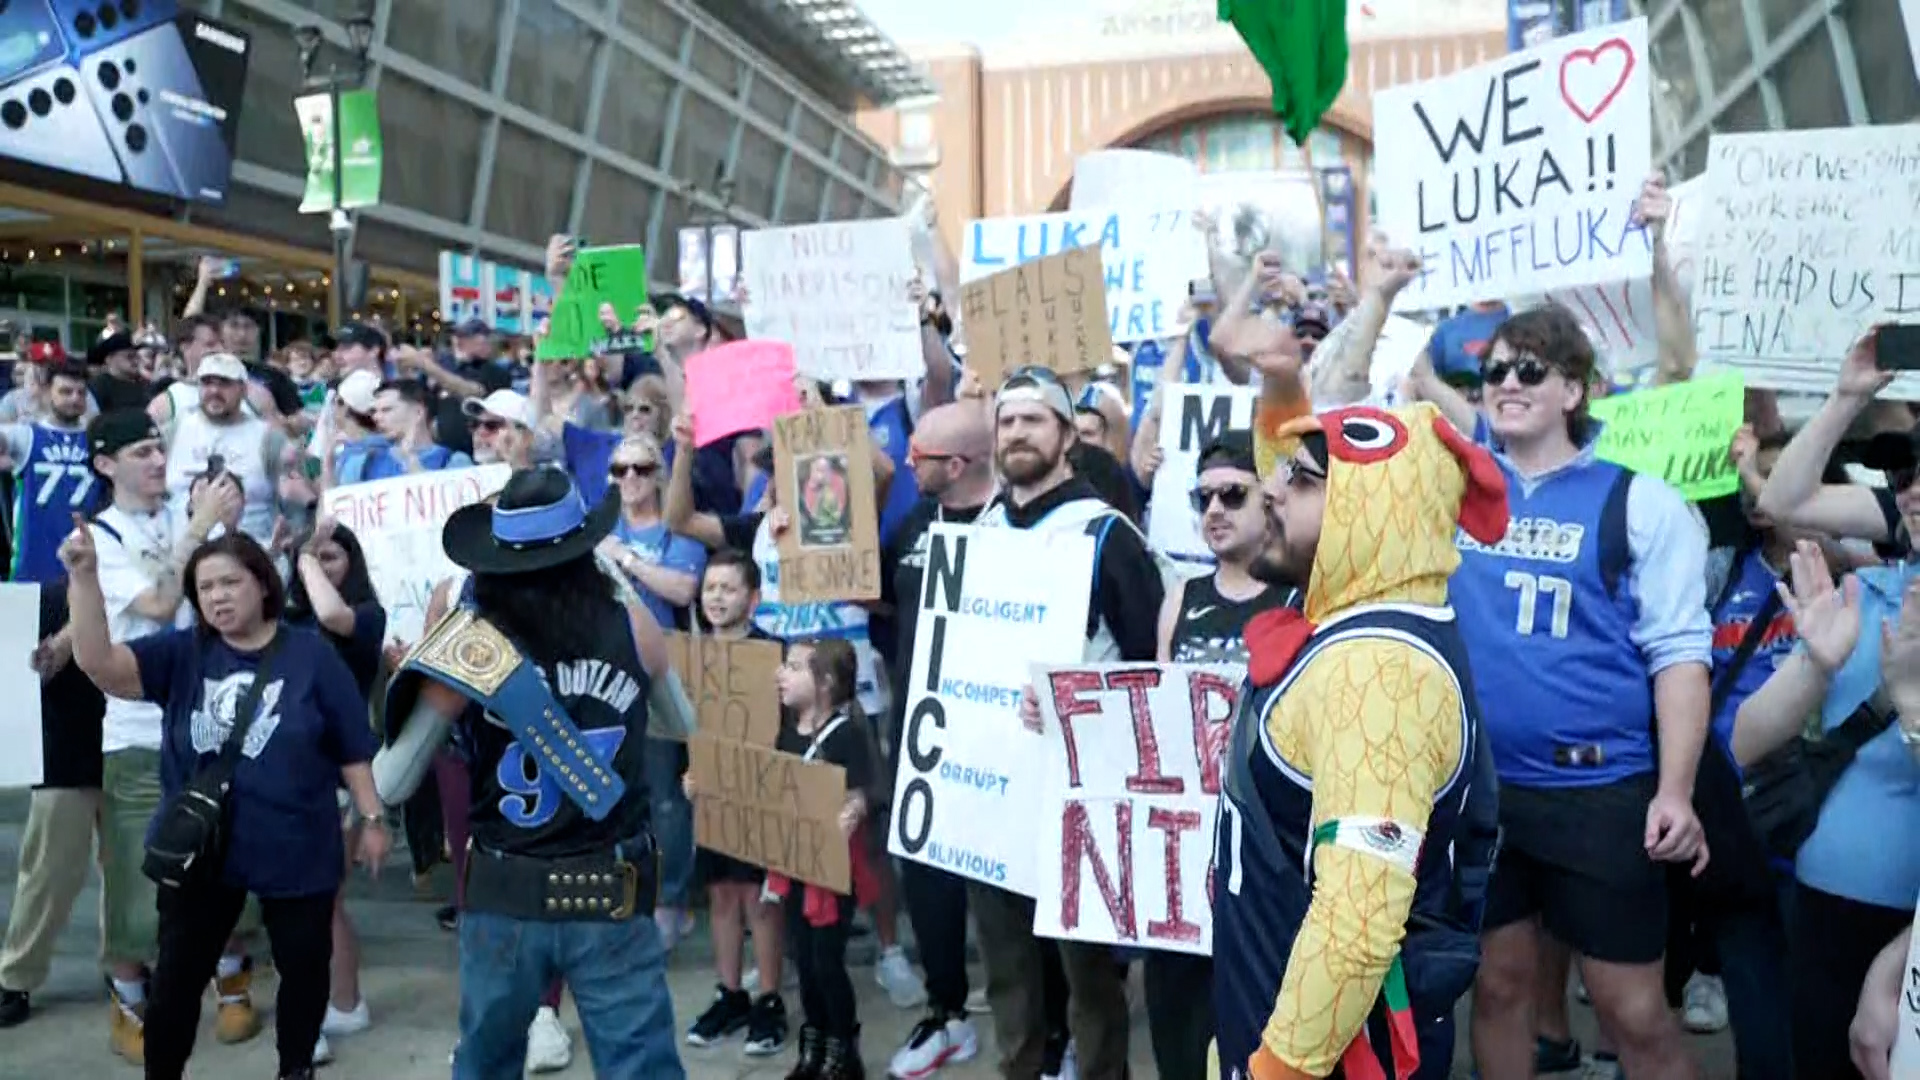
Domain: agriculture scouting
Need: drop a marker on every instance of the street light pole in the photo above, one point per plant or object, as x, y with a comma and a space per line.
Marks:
334, 81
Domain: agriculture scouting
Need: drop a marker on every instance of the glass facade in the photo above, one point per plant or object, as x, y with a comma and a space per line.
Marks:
1762, 65
505, 121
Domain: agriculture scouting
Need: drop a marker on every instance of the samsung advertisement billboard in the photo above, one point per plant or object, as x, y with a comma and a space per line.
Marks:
1531, 22
133, 92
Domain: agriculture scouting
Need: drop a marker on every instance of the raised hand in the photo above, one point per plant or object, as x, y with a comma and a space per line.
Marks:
1860, 374
77, 552
1827, 617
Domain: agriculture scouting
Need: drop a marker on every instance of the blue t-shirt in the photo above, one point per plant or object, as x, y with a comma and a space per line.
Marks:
351, 460
589, 453
385, 465
891, 429
283, 837
1753, 582
1460, 343
654, 544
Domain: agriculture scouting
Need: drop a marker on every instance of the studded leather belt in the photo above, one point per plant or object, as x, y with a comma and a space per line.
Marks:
592, 888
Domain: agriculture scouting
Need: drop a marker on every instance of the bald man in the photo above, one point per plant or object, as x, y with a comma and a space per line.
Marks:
952, 458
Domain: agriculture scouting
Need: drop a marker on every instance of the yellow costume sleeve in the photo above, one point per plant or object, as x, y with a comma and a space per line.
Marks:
1376, 724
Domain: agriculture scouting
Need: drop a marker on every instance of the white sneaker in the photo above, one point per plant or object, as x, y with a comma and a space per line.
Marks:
1069, 1068
896, 977
933, 1044
977, 1002
322, 1053
1705, 1008
352, 1022
549, 1049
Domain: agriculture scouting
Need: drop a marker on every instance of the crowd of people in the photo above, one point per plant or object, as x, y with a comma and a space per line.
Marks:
1696, 714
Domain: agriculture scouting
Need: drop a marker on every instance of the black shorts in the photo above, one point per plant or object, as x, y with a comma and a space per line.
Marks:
1576, 858
714, 868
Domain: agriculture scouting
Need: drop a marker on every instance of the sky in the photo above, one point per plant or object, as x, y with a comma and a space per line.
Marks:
917, 21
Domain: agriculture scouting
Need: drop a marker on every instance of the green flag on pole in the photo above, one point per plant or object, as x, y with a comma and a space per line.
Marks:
1302, 46
358, 132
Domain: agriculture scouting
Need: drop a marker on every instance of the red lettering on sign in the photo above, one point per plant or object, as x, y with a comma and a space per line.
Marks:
1174, 822
1067, 688
1147, 779
1212, 724
1077, 845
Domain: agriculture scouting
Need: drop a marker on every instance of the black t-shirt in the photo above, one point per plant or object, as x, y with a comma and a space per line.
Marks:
360, 649
739, 530
286, 396
113, 393
71, 709
449, 423
849, 745
1112, 481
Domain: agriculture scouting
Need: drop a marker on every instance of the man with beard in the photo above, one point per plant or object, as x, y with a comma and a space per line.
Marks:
1349, 854
220, 440
1033, 430
52, 477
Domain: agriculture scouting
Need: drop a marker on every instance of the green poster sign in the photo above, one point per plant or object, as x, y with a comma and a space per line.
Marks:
358, 131
1680, 433
604, 275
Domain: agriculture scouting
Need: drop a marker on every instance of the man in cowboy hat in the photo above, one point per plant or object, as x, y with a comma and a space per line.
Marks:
545, 674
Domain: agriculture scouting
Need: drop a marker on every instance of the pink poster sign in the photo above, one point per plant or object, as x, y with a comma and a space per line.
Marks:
740, 386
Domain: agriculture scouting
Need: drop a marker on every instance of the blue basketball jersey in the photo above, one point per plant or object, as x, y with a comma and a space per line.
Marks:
1548, 616
54, 483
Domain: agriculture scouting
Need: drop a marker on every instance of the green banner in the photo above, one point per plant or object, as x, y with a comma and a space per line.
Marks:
359, 133
1680, 433
603, 275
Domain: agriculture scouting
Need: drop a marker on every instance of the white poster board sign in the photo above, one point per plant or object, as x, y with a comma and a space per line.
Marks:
22, 765
1906, 1042
994, 601
1400, 343
1808, 239
398, 523
837, 293
1190, 418
1128, 176
1130, 783
1150, 255
1519, 175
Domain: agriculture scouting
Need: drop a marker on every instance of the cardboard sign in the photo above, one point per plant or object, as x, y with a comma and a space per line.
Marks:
1807, 241
739, 386
605, 275
770, 809
23, 763
398, 522
1129, 789
1519, 175
823, 466
1051, 312
1680, 433
837, 293
995, 602
1190, 418
730, 683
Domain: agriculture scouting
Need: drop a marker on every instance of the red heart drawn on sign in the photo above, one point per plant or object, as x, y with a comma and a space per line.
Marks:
1587, 75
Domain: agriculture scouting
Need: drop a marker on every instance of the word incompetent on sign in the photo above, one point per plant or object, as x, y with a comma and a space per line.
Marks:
1191, 417
1149, 258
1051, 312
730, 683
994, 601
771, 809
838, 294
607, 275
823, 464
1520, 175
398, 523
1130, 784
1808, 239
1680, 433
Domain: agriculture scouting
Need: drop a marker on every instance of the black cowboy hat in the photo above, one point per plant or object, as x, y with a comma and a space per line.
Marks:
119, 342
538, 521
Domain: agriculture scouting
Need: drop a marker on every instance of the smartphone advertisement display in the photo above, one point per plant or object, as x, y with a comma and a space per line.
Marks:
133, 92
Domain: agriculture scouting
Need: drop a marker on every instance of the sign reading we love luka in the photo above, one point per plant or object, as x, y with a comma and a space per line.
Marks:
1519, 175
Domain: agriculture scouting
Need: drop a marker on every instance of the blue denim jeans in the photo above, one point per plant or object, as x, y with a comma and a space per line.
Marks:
672, 820
617, 972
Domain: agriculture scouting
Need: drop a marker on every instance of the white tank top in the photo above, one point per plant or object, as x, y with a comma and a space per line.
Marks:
795, 622
243, 445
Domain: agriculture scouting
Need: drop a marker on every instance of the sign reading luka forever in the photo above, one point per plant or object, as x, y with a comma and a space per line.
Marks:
134, 92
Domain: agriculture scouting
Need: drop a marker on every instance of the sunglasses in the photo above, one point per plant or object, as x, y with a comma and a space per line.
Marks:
1530, 371
620, 471
643, 408
1294, 474
1231, 496
915, 456
489, 425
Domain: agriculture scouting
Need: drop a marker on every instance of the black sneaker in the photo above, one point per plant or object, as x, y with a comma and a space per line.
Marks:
448, 917
767, 1026
14, 1007
1553, 1056
1053, 1058
728, 1014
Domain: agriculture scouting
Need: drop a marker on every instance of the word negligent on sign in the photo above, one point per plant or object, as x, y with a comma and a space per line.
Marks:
730, 684
1148, 257
1808, 238
1680, 433
838, 293
1520, 174
1051, 312
823, 466
1133, 773
770, 809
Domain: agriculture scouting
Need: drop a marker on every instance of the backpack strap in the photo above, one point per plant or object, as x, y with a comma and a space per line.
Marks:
1868, 722
1616, 546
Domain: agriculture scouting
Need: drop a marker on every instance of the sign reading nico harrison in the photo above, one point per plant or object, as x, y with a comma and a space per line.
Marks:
1520, 175
995, 602
1130, 784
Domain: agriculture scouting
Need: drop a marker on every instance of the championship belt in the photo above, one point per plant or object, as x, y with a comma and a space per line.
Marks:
471, 656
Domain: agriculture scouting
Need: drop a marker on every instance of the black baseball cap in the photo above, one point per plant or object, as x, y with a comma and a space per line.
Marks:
361, 334
1233, 450
112, 432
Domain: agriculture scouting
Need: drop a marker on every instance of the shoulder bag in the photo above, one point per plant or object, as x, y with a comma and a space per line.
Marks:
1785, 790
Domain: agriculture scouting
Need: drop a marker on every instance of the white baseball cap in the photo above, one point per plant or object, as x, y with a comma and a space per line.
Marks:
358, 390
508, 405
221, 366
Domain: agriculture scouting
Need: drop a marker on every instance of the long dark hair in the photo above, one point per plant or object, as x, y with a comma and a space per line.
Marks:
356, 587
554, 614
246, 551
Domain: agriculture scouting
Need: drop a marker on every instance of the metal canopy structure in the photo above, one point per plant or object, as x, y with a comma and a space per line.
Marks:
856, 63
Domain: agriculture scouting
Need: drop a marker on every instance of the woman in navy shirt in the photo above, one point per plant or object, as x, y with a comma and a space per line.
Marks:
282, 834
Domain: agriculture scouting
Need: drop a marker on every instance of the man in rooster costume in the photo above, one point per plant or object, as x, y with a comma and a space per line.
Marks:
1359, 821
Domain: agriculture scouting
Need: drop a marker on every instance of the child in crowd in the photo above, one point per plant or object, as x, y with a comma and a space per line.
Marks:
729, 591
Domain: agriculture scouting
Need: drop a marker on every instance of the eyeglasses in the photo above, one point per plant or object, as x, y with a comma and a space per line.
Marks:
915, 455
640, 408
619, 471
1531, 371
1296, 475
1231, 496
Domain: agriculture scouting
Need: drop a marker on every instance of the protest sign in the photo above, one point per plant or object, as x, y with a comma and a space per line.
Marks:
23, 764
1680, 433
1807, 240
740, 386
770, 809
1124, 175
1190, 418
823, 469
837, 293
994, 602
730, 684
604, 275
1051, 312
1129, 785
1906, 1040
1150, 257
398, 524
1520, 174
